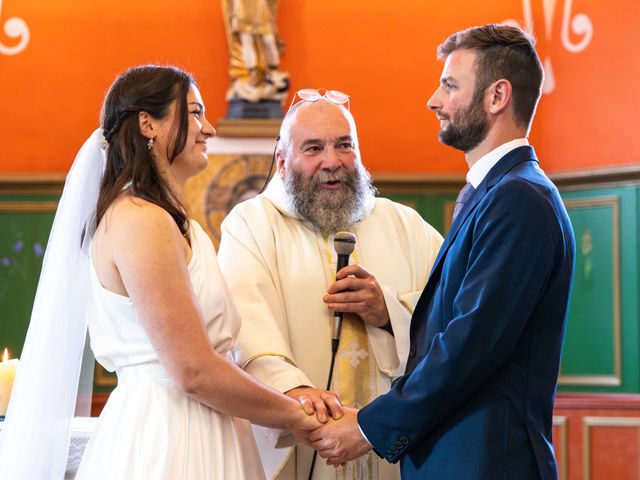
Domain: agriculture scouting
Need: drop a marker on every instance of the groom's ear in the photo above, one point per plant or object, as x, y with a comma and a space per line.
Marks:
500, 95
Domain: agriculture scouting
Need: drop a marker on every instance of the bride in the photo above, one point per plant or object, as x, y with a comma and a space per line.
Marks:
126, 260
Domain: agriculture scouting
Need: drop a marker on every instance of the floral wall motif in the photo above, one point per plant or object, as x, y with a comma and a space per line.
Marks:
23, 238
15, 261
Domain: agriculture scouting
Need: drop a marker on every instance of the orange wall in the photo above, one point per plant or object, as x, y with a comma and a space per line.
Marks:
380, 52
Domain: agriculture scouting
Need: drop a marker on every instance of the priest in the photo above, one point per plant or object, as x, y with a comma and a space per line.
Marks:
277, 255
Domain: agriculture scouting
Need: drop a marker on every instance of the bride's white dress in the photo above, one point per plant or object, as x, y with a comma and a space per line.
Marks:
149, 428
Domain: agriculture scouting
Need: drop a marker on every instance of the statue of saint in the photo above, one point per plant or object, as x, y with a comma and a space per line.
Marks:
254, 53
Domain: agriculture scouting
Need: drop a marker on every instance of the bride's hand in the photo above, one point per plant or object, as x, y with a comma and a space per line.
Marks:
304, 421
303, 425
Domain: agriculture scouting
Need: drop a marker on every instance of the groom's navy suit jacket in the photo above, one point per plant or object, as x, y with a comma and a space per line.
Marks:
477, 397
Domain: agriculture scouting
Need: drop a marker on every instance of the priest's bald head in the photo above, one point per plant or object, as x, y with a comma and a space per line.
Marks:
319, 162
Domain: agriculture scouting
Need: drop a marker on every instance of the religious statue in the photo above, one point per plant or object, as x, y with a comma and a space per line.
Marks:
257, 84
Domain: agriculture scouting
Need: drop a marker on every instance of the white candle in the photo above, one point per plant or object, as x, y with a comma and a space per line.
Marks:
7, 374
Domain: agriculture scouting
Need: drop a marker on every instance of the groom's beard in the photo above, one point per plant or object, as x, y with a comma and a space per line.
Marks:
467, 127
330, 210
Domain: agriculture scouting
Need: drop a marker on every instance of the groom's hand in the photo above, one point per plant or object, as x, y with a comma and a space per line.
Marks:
340, 441
321, 402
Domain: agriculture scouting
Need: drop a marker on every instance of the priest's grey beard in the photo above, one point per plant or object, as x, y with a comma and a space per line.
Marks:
330, 210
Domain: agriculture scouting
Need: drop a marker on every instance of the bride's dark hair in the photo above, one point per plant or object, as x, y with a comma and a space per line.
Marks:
130, 163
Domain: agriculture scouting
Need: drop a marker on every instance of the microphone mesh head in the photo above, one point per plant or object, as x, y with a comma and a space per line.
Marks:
344, 243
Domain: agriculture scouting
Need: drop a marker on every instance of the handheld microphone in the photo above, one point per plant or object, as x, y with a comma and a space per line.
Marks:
343, 244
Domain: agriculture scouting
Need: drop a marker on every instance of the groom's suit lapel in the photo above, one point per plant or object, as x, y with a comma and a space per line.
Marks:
504, 165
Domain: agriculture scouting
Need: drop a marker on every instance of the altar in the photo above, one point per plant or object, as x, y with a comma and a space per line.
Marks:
81, 429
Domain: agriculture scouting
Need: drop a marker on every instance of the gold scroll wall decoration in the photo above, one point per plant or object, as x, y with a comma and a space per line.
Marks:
586, 248
579, 24
14, 27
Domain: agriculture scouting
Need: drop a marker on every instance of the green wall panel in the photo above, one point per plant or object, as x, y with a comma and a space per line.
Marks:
602, 349
602, 343
25, 223
436, 209
24, 230
592, 346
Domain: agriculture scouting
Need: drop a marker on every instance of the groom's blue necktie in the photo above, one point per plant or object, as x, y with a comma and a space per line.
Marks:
463, 197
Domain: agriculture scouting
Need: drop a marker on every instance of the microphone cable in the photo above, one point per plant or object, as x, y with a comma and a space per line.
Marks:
273, 161
334, 350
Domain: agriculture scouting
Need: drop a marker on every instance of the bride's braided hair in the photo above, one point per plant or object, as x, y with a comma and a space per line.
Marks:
130, 163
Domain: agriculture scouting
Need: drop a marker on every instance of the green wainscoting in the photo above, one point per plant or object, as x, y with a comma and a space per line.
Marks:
25, 222
602, 343
27, 210
601, 349
436, 209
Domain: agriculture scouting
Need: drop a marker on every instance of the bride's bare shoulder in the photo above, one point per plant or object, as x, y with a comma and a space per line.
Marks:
135, 217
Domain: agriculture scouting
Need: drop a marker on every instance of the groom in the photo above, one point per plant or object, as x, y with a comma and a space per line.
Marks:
477, 397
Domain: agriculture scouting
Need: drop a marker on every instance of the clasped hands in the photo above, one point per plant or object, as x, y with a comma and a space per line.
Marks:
335, 434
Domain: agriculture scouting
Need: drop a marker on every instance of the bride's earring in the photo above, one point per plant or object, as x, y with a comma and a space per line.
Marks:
150, 143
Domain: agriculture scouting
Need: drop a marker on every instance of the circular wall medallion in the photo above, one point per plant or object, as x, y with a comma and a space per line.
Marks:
239, 179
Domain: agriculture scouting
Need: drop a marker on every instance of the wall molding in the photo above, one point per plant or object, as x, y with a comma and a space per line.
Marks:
451, 183
615, 378
562, 422
29, 206
31, 183
590, 422
597, 401
386, 182
599, 177
418, 182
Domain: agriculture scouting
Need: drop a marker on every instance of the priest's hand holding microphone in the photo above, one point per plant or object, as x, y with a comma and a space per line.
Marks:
356, 290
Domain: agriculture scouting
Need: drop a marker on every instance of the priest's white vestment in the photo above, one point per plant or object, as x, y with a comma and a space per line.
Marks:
279, 267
